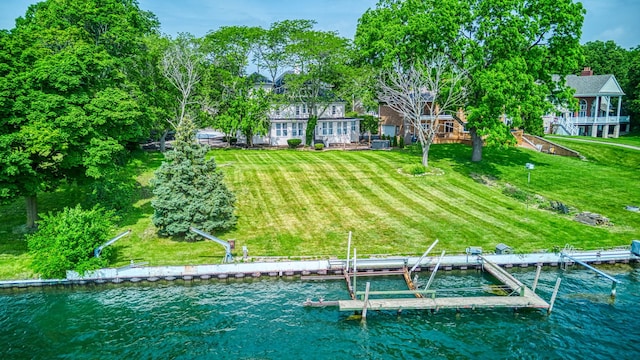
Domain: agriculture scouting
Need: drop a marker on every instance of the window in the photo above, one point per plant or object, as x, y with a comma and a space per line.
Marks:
333, 110
583, 108
340, 128
278, 129
296, 129
325, 128
330, 128
297, 110
448, 127
284, 129
304, 108
353, 127
345, 127
278, 111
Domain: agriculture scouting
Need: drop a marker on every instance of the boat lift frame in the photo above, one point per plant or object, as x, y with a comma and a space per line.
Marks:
599, 272
228, 258
97, 251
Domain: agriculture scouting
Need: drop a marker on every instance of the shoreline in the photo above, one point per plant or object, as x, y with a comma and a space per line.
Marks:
320, 269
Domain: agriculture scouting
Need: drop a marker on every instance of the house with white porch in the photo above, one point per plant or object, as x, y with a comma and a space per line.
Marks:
289, 121
600, 99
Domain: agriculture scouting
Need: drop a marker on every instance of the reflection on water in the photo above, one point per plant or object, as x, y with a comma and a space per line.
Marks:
265, 319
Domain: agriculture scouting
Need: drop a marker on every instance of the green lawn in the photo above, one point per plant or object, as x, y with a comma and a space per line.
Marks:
629, 139
304, 203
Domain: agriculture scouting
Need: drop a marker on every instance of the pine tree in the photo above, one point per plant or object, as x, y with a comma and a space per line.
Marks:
189, 190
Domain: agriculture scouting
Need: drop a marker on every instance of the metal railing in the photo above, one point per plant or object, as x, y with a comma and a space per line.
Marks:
580, 120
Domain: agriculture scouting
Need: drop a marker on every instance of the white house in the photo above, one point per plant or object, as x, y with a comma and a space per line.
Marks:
290, 122
600, 99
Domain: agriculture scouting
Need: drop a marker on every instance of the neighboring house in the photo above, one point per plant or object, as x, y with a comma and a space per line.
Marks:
289, 121
600, 98
451, 129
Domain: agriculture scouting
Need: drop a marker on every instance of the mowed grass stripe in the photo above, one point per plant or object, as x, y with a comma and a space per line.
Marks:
422, 203
348, 206
393, 213
375, 212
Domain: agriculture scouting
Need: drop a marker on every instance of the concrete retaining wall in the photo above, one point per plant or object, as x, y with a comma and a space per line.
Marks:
309, 268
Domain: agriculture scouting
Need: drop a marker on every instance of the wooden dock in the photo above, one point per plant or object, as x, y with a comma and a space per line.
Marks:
445, 303
520, 297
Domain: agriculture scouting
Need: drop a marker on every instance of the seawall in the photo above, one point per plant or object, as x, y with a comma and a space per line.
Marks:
240, 270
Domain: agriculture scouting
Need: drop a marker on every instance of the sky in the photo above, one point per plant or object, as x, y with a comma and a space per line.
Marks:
615, 20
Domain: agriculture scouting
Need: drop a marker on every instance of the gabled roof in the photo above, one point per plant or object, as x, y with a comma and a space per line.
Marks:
259, 79
594, 85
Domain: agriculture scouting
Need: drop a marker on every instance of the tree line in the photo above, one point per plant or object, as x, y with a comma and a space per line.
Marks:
82, 82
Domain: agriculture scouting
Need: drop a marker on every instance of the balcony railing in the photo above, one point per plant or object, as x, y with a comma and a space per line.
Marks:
588, 120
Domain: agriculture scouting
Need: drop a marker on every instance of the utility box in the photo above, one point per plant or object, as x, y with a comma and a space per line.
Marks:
635, 247
503, 249
380, 144
474, 250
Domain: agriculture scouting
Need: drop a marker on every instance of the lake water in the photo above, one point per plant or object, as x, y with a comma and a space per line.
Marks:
265, 319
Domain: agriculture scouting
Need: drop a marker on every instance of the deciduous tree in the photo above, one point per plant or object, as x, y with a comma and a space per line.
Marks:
509, 49
421, 94
72, 106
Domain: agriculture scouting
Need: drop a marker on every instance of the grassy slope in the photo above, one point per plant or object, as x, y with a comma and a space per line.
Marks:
293, 203
629, 139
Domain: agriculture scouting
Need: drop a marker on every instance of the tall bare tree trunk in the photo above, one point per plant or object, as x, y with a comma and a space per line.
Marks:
425, 154
163, 141
32, 211
476, 145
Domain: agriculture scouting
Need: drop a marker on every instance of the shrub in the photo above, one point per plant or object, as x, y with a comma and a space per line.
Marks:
401, 142
414, 169
515, 193
319, 146
293, 143
66, 241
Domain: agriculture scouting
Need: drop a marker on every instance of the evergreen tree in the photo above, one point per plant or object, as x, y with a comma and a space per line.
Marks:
189, 190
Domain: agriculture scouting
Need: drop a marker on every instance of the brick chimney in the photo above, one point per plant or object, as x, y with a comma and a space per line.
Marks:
586, 72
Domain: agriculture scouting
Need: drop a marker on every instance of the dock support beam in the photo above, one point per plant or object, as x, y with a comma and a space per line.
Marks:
348, 251
433, 274
355, 270
366, 300
553, 296
535, 281
423, 256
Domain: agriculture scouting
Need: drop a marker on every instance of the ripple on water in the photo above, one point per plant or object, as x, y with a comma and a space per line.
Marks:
264, 319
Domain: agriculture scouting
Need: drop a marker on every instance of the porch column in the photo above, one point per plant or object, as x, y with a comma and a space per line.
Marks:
608, 108
616, 129
605, 131
596, 110
594, 130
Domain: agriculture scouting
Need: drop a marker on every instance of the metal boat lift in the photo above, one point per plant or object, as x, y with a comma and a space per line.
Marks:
228, 258
98, 250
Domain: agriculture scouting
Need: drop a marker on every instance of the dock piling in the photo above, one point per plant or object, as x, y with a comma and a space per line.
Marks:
555, 293
535, 281
355, 270
435, 270
366, 301
348, 251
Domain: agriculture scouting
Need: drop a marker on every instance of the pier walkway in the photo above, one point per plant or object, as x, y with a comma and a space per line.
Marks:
521, 297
